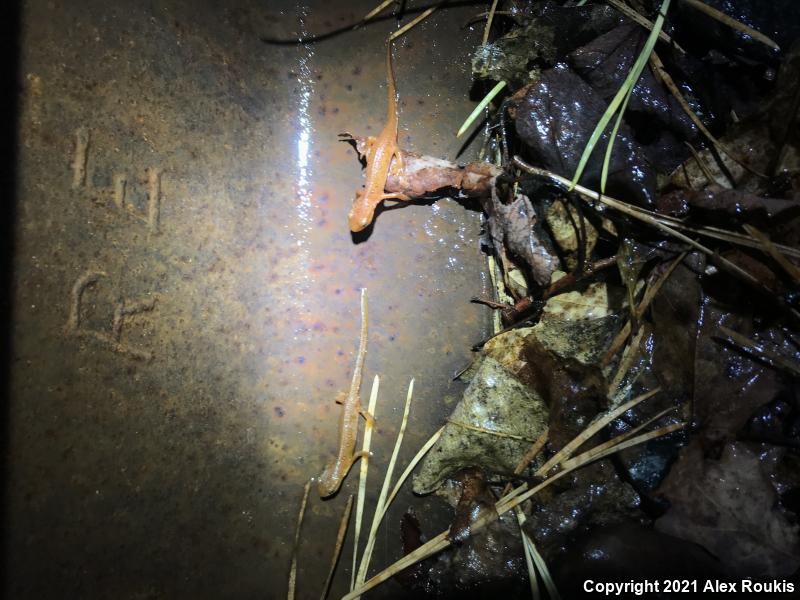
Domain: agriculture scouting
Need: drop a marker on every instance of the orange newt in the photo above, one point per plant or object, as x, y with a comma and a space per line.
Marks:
335, 472
379, 154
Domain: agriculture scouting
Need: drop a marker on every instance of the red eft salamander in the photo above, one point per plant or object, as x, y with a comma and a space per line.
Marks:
335, 472
380, 152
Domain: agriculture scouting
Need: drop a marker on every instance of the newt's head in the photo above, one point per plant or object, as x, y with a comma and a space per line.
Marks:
329, 481
361, 213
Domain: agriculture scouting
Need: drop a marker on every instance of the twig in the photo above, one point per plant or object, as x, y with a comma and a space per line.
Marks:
571, 278
337, 549
532, 452
293, 568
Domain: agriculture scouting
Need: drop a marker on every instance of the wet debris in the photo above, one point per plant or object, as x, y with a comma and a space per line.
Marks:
491, 428
516, 227
728, 506
687, 284
548, 31
555, 117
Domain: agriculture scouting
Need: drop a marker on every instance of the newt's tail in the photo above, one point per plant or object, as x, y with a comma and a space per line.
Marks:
392, 100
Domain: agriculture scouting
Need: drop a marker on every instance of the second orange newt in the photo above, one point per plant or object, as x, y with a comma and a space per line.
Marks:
332, 477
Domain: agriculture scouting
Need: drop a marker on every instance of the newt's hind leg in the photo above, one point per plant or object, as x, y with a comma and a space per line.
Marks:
395, 196
397, 155
363, 454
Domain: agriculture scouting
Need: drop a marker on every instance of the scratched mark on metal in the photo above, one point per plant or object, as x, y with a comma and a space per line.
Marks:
218, 188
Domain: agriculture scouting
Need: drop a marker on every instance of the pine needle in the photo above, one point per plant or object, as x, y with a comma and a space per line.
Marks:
759, 351
535, 562
580, 439
661, 73
490, 431
733, 23
541, 566
508, 502
607, 448
529, 561
621, 95
769, 248
382, 505
649, 295
479, 109
413, 23
489, 20
337, 549
648, 422
429, 548
362, 479
705, 169
731, 237
532, 452
626, 362
417, 457
293, 568
641, 216
716, 233
644, 22
376, 11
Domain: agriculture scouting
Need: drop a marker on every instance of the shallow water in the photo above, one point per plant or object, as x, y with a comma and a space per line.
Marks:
177, 171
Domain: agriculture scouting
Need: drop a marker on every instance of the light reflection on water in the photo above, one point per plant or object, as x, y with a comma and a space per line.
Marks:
303, 194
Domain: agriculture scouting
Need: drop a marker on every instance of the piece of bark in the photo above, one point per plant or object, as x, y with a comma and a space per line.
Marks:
425, 175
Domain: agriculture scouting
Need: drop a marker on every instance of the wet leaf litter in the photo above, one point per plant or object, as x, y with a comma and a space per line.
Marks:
640, 186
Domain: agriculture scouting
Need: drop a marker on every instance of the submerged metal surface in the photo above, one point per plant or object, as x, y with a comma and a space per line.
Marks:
186, 290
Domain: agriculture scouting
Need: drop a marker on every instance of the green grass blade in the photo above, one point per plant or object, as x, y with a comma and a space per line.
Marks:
610, 145
619, 98
481, 105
